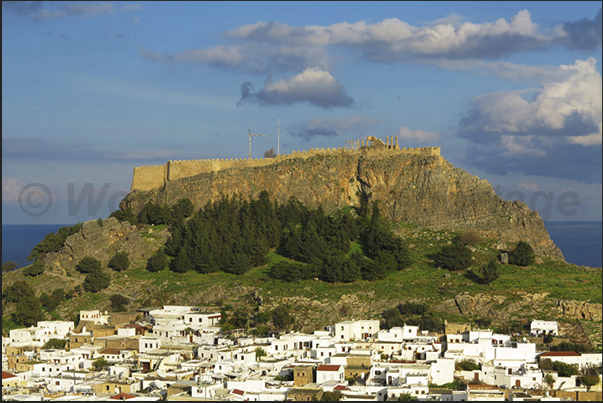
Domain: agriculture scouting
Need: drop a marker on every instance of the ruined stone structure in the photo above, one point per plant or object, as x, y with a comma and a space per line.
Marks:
153, 176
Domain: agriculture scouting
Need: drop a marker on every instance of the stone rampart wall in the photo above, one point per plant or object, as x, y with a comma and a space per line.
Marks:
149, 177
154, 176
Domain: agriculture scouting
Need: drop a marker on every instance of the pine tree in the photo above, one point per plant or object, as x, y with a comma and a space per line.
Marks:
119, 262
157, 262
182, 263
28, 311
88, 265
97, 280
522, 255
489, 272
454, 257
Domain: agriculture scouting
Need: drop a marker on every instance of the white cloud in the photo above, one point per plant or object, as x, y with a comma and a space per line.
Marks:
569, 108
313, 86
393, 39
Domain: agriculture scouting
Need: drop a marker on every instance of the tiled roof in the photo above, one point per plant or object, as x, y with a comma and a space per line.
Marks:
238, 392
329, 367
7, 375
123, 396
561, 354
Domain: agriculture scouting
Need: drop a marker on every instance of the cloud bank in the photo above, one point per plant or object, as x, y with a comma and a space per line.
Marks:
314, 86
555, 131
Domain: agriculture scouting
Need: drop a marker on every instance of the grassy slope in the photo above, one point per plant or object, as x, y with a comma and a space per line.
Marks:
420, 281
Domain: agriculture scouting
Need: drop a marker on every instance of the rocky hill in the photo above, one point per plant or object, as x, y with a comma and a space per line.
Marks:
426, 191
430, 199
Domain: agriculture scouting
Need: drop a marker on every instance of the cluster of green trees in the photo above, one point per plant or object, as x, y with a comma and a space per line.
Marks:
457, 256
255, 321
97, 278
411, 313
28, 311
234, 235
53, 242
231, 235
34, 269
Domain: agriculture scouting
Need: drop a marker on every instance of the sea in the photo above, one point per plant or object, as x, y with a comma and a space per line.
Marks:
580, 241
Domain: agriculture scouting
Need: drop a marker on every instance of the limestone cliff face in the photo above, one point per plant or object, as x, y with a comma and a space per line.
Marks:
427, 191
102, 243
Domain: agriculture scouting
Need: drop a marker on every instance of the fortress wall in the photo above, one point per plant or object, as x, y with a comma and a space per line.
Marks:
149, 177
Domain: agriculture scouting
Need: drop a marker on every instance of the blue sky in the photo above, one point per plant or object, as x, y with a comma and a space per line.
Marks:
511, 92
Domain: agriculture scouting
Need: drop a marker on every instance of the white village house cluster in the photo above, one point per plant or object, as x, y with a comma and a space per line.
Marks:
180, 353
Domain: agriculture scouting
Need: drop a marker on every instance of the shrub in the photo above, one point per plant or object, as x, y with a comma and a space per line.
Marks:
28, 311
119, 262
50, 302
157, 262
88, 265
34, 269
96, 281
119, 302
100, 363
454, 257
470, 238
55, 343
466, 365
282, 318
18, 291
490, 272
413, 308
294, 271
9, 266
565, 370
522, 255
259, 352
125, 215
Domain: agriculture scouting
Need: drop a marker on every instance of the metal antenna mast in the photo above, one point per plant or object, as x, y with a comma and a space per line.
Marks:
278, 143
254, 135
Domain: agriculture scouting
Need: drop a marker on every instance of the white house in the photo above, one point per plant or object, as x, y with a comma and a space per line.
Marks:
540, 327
95, 316
53, 329
581, 360
326, 373
146, 344
441, 371
356, 330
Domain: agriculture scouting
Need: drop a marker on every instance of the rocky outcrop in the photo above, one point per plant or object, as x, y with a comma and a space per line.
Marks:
580, 309
426, 191
527, 306
103, 242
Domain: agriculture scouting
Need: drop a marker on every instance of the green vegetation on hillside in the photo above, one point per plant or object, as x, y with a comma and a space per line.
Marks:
53, 242
290, 250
